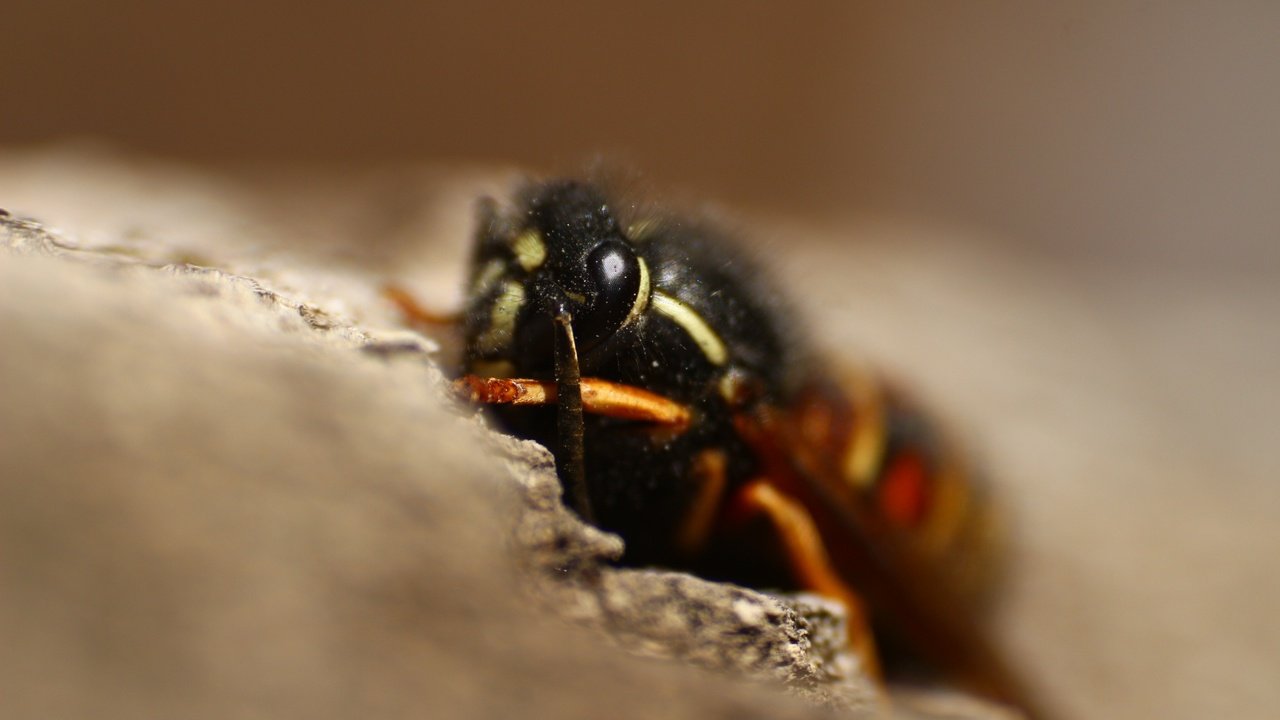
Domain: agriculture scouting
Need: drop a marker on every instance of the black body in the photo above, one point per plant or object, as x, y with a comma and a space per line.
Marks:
638, 475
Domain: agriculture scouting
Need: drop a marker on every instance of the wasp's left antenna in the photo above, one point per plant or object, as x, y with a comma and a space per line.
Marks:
569, 460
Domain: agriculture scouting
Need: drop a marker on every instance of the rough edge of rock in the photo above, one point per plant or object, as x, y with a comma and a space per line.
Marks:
660, 614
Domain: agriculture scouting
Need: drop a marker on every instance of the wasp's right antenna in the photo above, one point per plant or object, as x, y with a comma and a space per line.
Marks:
569, 460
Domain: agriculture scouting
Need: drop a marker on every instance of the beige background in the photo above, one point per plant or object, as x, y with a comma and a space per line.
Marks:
1060, 223
1115, 125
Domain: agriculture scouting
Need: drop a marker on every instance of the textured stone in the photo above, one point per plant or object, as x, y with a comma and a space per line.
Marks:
232, 486
214, 505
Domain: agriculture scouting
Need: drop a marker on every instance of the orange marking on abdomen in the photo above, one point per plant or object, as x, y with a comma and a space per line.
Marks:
903, 491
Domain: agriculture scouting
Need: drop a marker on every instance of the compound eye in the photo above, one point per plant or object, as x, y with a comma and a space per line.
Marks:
615, 271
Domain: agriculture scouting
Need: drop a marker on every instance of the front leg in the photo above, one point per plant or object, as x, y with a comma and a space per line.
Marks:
807, 558
599, 397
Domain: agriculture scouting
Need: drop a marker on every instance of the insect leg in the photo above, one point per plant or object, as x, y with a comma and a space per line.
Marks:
413, 312
599, 397
710, 473
799, 538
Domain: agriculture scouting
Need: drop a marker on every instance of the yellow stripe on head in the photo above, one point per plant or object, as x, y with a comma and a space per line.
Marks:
642, 294
487, 277
693, 324
502, 318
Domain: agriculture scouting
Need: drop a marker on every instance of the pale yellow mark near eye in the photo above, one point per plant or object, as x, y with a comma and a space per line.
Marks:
502, 318
642, 295
487, 277
530, 249
693, 324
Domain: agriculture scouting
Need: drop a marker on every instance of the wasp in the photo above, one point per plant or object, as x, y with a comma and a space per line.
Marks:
688, 412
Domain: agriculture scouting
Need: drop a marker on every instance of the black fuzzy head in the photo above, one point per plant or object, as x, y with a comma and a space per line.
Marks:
590, 268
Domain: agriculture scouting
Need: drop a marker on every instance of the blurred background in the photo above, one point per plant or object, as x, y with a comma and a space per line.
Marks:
1123, 126
1082, 198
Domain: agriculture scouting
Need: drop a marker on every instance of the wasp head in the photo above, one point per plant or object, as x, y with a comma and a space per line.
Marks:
590, 268
560, 250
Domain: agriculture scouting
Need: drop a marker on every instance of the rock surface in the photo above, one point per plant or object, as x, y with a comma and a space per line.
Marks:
231, 487
201, 474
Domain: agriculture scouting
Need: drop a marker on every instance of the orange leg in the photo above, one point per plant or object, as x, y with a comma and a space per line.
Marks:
710, 473
599, 397
415, 315
808, 558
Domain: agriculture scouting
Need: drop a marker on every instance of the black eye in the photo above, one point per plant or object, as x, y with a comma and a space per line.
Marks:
615, 272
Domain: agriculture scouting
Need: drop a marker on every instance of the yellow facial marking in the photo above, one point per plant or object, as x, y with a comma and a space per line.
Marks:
693, 324
502, 318
530, 249
487, 277
642, 295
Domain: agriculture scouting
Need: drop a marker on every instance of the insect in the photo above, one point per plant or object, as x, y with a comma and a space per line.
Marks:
688, 412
